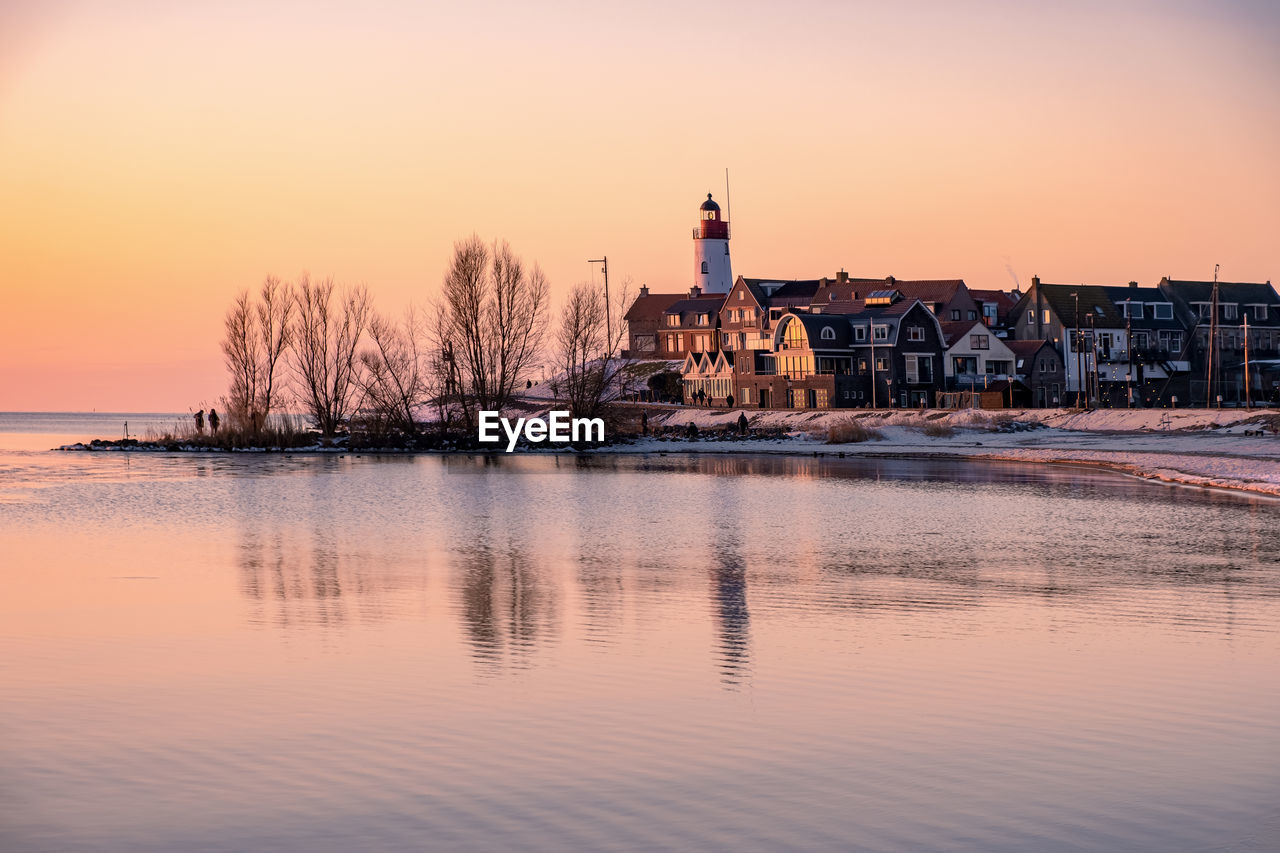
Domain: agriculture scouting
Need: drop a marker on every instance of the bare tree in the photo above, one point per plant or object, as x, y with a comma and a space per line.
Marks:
326, 337
242, 347
590, 371
275, 330
396, 377
489, 324
256, 337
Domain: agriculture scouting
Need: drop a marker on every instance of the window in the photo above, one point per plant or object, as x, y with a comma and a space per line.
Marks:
1139, 340
748, 315
702, 319
973, 315
1133, 310
913, 370
746, 395
828, 333
725, 337
862, 365
955, 313
924, 366
1031, 316
1259, 312
1230, 311
882, 363
979, 342
1042, 367
704, 267
1045, 318
915, 333
679, 342
1171, 341
1162, 311
859, 333
733, 316
673, 319
741, 295
1202, 309
998, 368
880, 333
965, 365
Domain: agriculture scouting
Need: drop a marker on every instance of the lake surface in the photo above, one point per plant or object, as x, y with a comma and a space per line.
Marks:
331, 653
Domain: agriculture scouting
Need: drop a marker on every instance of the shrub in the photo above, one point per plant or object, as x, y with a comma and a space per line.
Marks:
936, 429
851, 431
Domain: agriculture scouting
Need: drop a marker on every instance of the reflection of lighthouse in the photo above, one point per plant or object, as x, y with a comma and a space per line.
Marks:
711, 269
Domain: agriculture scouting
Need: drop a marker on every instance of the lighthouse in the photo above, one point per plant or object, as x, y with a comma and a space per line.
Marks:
711, 270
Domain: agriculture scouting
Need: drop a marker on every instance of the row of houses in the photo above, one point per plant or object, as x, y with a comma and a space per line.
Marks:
849, 342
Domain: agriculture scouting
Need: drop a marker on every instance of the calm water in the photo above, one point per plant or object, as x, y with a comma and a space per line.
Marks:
337, 653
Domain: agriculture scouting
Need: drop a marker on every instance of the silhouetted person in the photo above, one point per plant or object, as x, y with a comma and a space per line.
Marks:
742, 424
644, 423
729, 401
528, 383
702, 397
213, 420
199, 416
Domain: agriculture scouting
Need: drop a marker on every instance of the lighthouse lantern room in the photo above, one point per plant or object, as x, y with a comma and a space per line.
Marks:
711, 270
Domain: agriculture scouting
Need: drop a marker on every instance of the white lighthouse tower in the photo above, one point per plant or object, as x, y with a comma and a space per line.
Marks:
711, 270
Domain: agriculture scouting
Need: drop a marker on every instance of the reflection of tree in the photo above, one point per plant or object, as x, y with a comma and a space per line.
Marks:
507, 605
292, 577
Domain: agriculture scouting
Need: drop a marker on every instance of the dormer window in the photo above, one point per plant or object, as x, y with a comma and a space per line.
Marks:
673, 319
1230, 311
828, 333
1162, 311
1133, 310
880, 333
1259, 312
859, 333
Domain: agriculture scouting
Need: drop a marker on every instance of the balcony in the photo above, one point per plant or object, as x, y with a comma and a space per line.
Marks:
697, 233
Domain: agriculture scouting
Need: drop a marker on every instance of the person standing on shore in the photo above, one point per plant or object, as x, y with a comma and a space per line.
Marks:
213, 420
199, 416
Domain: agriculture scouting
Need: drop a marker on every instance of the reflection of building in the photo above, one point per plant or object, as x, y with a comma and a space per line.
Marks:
729, 590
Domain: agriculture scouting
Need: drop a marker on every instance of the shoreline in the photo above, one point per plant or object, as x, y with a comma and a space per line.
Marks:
1196, 459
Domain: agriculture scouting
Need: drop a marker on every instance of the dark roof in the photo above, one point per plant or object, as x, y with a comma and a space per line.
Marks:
1144, 295
651, 307
699, 304
927, 291
1093, 301
815, 323
783, 290
709, 204
1026, 349
1243, 293
952, 330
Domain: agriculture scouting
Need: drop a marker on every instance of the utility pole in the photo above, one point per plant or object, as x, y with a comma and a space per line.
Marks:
1211, 373
1077, 336
1248, 397
1095, 387
872, 330
603, 260
1128, 347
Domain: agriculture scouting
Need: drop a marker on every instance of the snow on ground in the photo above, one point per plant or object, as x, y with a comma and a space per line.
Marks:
1202, 448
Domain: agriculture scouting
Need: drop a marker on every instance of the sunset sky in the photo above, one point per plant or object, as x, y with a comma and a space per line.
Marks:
157, 157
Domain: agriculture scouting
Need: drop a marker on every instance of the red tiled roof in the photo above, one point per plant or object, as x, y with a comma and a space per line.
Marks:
652, 307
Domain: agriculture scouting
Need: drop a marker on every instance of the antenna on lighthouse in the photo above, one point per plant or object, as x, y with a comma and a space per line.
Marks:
728, 202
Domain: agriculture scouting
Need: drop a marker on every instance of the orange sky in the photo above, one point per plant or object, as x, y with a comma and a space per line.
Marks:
156, 157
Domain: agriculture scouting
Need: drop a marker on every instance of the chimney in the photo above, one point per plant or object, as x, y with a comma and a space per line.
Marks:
695, 292
1035, 281
644, 290
842, 277
1133, 284
889, 279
